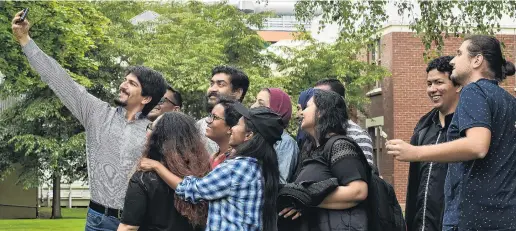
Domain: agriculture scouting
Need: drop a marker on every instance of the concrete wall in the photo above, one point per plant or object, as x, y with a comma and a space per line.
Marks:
16, 202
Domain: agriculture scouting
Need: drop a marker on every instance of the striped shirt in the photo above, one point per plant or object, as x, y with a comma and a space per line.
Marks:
113, 144
363, 140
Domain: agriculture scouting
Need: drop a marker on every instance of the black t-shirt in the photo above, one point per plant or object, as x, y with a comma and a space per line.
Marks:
149, 203
343, 163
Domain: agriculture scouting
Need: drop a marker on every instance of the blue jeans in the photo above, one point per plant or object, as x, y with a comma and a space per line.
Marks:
96, 221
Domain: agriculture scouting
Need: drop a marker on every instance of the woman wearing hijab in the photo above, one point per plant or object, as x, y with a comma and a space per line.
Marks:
286, 149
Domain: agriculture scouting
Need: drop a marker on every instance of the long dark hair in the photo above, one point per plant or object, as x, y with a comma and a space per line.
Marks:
489, 47
331, 117
176, 143
265, 153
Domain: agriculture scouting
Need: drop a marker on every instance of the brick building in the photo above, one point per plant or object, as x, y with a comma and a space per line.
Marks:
398, 102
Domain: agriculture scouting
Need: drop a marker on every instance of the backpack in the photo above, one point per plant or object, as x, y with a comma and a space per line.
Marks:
385, 211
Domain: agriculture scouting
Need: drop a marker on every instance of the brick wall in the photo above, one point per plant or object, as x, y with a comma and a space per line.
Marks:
404, 93
386, 54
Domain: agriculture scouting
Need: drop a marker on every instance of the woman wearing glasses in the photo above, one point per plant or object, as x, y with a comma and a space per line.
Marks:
150, 204
220, 121
242, 190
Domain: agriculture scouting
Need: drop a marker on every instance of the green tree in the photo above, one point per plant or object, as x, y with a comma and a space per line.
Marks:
91, 40
360, 23
441, 19
38, 131
188, 40
303, 66
435, 21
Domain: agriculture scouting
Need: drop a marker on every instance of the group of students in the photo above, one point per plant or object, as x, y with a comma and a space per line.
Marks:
152, 167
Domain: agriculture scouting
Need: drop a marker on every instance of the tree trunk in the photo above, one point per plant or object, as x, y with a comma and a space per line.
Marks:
70, 195
56, 200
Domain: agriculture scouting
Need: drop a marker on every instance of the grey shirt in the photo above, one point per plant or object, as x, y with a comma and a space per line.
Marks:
113, 144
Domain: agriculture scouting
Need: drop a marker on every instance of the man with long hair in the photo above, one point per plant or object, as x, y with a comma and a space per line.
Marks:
481, 155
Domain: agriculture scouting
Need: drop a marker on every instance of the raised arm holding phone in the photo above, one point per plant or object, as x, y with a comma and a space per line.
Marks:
115, 136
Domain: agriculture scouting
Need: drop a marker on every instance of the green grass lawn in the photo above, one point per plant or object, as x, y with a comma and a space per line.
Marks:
73, 219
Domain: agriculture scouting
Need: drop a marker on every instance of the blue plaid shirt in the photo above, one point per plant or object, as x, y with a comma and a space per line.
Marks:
234, 190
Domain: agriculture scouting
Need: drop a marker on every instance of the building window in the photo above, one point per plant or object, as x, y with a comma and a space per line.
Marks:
374, 57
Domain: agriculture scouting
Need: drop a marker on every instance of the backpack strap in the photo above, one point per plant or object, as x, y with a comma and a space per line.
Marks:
329, 145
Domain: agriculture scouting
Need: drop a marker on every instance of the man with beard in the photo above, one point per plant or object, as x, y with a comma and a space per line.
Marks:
425, 189
115, 137
171, 101
481, 152
225, 81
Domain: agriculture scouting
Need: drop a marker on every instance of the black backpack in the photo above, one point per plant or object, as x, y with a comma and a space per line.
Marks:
385, 211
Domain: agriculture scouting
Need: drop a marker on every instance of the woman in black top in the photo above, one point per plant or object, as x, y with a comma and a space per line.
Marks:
150, 204
346, 207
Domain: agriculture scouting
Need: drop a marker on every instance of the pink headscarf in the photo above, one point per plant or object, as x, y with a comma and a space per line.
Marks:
281, 104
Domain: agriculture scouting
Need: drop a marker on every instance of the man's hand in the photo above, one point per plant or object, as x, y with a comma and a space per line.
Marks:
402, 150
21, 29
147, 164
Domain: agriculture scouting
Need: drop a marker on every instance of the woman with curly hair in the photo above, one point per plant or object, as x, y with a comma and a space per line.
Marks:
150, 204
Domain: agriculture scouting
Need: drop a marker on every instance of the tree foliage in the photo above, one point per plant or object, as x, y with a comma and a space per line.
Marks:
341, 60
38, 131
359, 21
188, 40
441, 19
432, 21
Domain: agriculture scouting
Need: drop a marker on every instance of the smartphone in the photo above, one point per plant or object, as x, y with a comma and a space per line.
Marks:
384, 135
24, 15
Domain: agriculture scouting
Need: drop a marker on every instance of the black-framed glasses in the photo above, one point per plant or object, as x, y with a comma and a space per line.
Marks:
211, 117
164, 99
149, 127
